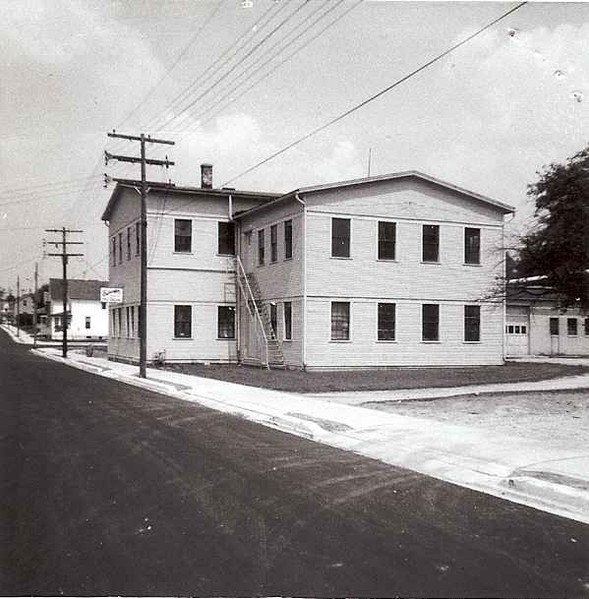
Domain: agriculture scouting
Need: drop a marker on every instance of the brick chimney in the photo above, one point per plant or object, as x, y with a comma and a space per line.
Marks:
206, 176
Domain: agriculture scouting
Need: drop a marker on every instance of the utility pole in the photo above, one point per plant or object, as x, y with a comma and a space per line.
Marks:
64, 260
18, 305
143, 190
35, 305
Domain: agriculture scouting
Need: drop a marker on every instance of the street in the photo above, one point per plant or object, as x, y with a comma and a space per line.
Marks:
108, 489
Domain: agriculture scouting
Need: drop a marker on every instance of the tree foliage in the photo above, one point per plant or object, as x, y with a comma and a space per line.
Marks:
558, 246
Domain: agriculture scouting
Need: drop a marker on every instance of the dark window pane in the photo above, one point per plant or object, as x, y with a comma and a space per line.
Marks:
340, 237
430, 322
340, 320
182, 321
387, 233
288, 320
586, 326
472, 246
261, 248
182, 235
226, 242
571, 326
554, 326
226, 322
386, 322
273, 243
288, 239
472, 323
273, 319
431, 242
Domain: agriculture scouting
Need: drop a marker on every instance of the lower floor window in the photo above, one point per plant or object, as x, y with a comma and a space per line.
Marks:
430, 322
386, 322
182, 321
572, 326
472, 323
586, 326
226, 322
340, 321
288, 320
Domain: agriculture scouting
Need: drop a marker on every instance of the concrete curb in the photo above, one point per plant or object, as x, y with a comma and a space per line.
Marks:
379, 436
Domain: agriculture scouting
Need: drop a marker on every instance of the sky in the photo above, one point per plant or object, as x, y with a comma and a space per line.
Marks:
234, 81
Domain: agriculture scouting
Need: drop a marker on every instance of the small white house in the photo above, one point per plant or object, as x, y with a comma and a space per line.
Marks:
87, 317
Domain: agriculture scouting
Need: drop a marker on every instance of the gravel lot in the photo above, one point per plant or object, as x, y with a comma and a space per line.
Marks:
551, 416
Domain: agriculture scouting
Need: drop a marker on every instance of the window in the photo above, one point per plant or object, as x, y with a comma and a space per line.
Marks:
430, 322
261, 247
273, 243
287, 310
472, 323
340, 321
572, 326
340, 237
472, 246
87, 322
182, 235
132, 334
226, 239
182, 321
128, 243
586, 326
226, 322
120, 322
113, 251
137, 238
430, 243
554, 326
386, 322
287, 239
273, 318
128, 321
120, 248
387, 234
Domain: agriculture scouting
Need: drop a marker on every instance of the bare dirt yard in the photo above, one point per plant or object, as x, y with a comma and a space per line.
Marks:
550, 416
296, 381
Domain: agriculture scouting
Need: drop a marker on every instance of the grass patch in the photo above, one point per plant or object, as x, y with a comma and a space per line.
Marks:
297, 381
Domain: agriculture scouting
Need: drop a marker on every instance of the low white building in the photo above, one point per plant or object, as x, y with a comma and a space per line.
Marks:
87, 316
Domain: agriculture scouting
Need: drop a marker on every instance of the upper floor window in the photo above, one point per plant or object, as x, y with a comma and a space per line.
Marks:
572, 326
113, 251
182, 321
340, 237
386, 322
225, 322
287, 239
340, 321
472, 323
387, 237
128, 243
226, 238
182, 235
87, 322
472, 246
137, 238
120, 248
430, 243
430, 322
261, 256
273, 243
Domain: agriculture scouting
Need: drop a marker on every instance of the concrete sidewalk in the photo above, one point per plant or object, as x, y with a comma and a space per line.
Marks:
552, 478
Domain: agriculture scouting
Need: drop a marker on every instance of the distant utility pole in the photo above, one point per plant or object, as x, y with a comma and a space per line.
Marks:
18, 306
142, 139
64, 260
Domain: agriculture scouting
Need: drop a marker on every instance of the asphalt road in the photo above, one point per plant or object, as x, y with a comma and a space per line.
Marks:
107, 489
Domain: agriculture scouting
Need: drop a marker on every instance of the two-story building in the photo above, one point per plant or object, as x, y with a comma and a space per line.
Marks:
190, 270
374, 272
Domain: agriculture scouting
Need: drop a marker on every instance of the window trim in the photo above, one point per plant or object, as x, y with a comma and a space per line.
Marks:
176, 236
349, 244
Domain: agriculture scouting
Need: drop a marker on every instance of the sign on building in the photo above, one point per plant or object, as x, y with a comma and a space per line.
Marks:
111, 295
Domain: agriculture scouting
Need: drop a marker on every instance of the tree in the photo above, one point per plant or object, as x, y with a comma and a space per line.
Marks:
557, 248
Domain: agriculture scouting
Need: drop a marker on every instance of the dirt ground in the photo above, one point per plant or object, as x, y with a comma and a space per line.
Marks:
551, 416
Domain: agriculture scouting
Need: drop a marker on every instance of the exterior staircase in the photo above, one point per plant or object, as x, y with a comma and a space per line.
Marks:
260, 313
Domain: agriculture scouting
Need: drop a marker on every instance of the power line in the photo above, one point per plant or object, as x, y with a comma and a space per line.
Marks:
377, 95
193, 39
